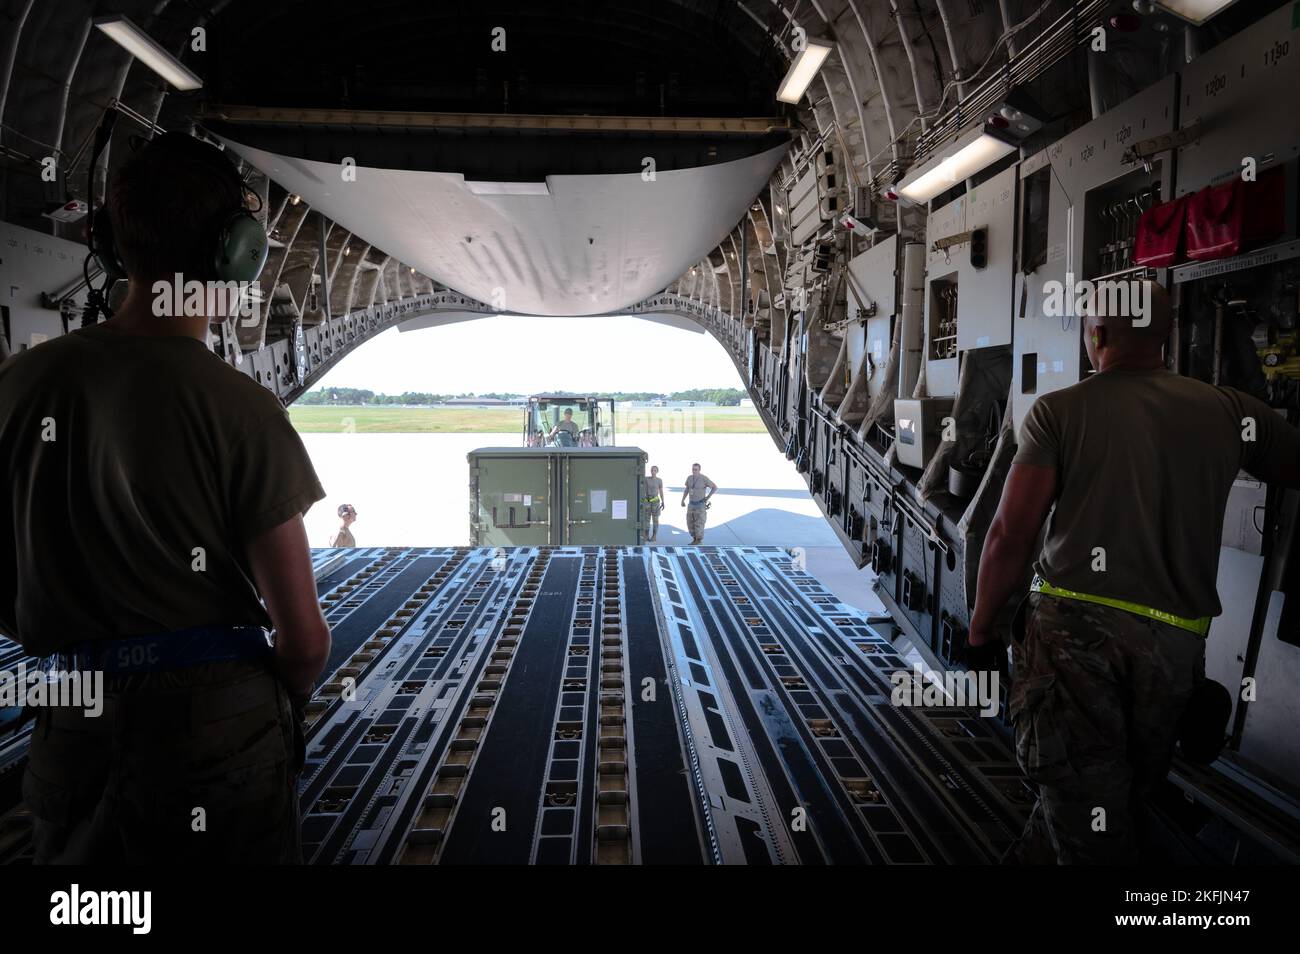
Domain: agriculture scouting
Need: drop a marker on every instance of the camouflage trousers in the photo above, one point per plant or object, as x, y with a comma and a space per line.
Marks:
195, 766
652, 511
695, 518
1095, 705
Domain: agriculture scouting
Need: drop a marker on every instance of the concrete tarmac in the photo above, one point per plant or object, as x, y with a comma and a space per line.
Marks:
413, 489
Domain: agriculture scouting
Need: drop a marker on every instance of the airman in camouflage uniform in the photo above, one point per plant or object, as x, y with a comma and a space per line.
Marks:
654, 503
191, 766
698, 489
1093, 690
190, 752
1124, 477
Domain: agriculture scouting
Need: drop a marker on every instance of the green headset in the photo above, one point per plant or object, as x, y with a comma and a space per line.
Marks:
239, 246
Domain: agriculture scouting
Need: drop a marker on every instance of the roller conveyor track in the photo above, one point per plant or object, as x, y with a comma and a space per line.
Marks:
13, 743
14, 841
626, 705
632, 705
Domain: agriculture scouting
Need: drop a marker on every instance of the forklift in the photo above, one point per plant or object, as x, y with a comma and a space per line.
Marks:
593, 415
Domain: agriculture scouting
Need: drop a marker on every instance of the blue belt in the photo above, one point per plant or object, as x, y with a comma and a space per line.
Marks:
161, 652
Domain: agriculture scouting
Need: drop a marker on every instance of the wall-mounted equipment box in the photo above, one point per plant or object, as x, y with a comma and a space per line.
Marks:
813, 198
942, 274
987, 263
557, 496
1241, 94
969, 271
1071, 196
918, 426
873, 278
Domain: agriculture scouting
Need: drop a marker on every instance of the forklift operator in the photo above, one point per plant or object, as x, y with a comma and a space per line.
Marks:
567, 427
1138, 461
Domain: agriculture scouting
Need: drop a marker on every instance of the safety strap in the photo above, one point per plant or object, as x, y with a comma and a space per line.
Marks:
1198, 626
161, 652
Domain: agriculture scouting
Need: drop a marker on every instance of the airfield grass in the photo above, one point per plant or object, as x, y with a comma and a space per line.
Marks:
379, 419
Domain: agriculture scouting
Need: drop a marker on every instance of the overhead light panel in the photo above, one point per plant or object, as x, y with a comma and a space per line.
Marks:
965, 157
143, 47
1195, 11
805, 66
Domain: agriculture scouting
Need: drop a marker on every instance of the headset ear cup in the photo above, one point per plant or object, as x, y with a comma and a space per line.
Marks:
241, 248
105, 247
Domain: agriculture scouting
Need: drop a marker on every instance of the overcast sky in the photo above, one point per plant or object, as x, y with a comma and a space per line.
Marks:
526, 355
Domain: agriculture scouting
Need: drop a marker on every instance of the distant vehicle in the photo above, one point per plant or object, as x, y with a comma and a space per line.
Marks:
566, 485
593, 415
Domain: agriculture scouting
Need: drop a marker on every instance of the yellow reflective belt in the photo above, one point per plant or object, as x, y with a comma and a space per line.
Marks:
1198, 626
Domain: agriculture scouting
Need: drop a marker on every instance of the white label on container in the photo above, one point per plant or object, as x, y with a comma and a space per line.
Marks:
598, 501
618, 510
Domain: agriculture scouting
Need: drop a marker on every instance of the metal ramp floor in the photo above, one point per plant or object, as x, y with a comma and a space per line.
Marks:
630, 705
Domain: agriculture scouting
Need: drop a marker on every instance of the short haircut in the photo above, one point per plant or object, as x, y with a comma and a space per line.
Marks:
695, 465
344, 509
1117, 313
167, 204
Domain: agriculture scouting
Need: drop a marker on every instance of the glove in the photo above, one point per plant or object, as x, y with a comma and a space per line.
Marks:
1203, 726
987, 657
298, 703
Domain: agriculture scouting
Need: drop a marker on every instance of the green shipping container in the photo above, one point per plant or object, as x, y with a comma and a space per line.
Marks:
584, 496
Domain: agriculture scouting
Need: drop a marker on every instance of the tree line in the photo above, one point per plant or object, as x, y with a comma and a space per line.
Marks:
723, 397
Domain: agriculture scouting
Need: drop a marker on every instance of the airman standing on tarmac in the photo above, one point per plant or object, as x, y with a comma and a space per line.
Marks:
343, 536
1139, 462
698, 489
654, 503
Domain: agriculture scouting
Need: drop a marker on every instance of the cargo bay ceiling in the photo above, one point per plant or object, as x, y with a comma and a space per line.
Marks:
514, 178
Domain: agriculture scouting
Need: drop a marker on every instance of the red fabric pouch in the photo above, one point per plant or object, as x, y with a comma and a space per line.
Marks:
1226, 219
1159, 239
